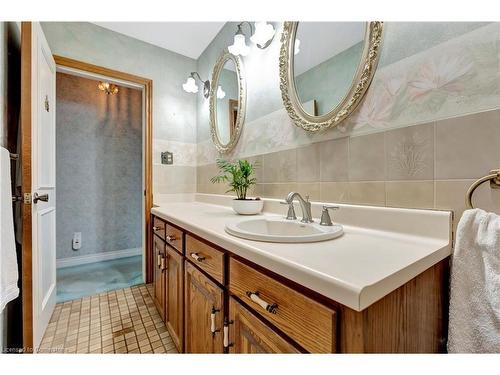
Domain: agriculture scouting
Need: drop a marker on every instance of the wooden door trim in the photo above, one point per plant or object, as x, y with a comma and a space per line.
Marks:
148, 134
26, 262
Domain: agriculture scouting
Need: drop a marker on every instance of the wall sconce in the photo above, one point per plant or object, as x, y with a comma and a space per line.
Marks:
108, 88
191, 86
262, 37
220, 93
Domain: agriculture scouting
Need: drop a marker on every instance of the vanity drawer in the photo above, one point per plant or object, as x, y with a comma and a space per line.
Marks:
206, 257
310, 324
159, 227
174, 237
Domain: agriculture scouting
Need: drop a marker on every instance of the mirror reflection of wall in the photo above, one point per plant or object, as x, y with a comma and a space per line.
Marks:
325, 62
227, 102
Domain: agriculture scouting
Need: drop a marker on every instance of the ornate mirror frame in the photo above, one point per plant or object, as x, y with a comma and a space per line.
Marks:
360, 83
242, 100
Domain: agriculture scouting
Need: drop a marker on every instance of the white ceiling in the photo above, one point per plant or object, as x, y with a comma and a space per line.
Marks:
319, 41
187, 38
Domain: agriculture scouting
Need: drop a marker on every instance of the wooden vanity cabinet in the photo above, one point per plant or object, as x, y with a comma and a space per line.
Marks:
199, 288
159, 275
204, 312
249, 335
174, 306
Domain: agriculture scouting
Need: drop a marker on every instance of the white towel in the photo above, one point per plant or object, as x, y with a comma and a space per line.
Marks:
474, 325
8, 261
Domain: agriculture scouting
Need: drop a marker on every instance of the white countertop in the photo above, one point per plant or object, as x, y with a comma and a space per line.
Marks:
356, 270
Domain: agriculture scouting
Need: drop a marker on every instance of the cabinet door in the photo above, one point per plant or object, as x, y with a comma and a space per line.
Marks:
203, 313
248, 335
159, 275
175, 297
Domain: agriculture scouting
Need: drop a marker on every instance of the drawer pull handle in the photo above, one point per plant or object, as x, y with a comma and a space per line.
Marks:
163, 266
197, 257
156, 229
254, 296
171, 238
158, 260
226, 333
213, 329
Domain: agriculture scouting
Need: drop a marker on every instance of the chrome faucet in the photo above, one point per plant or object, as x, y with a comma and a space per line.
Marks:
304, 204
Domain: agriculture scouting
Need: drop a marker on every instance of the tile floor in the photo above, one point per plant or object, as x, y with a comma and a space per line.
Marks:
89, 279
118, 321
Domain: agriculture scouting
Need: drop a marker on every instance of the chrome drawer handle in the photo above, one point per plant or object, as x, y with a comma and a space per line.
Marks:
171, 238
212, 321
197, 257
272, 308
156, 229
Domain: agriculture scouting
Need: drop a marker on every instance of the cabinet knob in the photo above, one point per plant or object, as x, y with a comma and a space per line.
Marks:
197, 257
171, 238
156, 229
269, 307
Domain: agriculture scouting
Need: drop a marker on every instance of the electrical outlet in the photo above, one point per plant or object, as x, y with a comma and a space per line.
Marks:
167, 157
77, 240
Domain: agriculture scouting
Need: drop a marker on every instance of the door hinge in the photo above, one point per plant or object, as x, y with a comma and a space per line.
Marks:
27, 198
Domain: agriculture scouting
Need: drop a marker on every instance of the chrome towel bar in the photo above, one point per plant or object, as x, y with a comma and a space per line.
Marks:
493, 178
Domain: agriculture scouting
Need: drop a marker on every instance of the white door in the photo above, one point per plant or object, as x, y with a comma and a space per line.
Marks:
43, 172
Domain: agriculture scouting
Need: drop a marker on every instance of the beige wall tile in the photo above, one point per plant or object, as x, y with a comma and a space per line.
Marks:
367, 158
370, 193
334, 156
308, 163
279, 191
411, 194
334, 192
409, 153
310, 189
467, 147
450, 195
280, 166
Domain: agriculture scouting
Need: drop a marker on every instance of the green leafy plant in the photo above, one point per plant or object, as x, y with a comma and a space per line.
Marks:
238, 175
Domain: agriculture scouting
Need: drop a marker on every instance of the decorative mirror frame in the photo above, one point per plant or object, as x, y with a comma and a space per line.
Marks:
242, 101
360, 83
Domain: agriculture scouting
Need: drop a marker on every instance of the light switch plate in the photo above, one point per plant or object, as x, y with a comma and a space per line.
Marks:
167, 157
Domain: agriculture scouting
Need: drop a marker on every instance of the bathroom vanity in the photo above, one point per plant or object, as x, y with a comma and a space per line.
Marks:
380, 287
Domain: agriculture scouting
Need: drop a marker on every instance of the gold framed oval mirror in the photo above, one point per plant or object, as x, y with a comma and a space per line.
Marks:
325, 69
227, 101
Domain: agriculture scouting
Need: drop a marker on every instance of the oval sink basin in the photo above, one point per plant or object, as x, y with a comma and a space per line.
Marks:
282, 230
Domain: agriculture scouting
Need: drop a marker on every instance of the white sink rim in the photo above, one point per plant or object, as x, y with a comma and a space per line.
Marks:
321, 232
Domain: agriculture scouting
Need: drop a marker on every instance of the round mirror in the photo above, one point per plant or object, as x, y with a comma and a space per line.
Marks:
326, 68
227, 102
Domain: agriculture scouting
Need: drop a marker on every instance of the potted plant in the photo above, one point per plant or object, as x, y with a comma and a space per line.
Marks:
240, 177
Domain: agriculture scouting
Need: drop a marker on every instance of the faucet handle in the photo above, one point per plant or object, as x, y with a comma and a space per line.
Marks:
291, 211
325, 215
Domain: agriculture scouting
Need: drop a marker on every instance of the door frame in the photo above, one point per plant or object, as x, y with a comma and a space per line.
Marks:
26, 120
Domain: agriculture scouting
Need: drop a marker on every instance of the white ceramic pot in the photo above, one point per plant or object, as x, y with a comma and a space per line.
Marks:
247, 206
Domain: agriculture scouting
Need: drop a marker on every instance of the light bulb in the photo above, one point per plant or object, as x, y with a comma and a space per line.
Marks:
220, 93
190, 85
296, 48
239, 46
264, 32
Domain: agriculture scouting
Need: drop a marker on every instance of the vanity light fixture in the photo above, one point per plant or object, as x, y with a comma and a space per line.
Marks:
296, 48
220, 93
191, 86
108, 88
262, 37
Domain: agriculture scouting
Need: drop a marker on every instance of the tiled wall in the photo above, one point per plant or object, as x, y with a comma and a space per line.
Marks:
426, 166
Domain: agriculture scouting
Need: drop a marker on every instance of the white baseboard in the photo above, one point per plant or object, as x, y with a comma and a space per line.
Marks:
99, 257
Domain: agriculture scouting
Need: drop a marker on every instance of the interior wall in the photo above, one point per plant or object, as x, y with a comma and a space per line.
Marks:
174, 111
98, 167
427, 128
